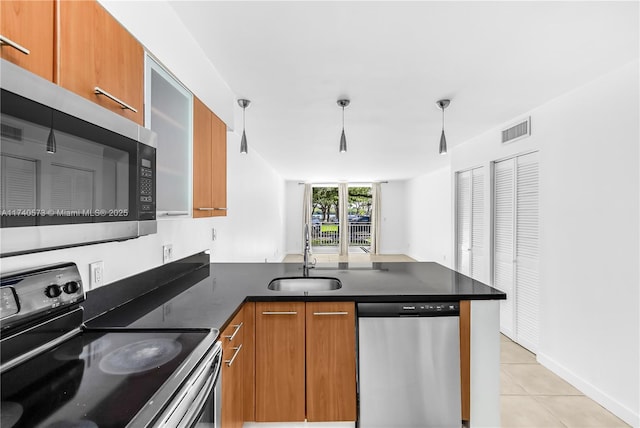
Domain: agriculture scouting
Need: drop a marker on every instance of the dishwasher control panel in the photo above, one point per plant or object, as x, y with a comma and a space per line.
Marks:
422, 309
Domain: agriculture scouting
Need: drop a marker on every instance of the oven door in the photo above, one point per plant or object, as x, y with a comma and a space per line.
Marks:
198, 403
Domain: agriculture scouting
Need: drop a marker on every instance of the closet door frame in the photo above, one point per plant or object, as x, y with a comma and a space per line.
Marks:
513, 333
457, 230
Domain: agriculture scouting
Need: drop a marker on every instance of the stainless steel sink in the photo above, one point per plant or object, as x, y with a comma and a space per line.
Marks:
305, 283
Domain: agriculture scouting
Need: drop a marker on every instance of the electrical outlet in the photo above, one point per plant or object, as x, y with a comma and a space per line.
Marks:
167, 253
96, 270
213, 234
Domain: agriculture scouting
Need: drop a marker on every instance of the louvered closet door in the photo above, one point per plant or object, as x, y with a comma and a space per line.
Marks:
477, 223
503, 240
470, 222
463, 222
516, 254
527, 251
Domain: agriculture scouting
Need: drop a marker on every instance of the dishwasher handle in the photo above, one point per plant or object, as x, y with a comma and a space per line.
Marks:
408, 309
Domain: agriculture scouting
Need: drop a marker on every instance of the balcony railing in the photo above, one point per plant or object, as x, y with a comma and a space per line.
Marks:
327, 234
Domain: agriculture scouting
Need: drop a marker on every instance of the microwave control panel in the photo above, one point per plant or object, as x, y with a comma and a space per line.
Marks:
147, 183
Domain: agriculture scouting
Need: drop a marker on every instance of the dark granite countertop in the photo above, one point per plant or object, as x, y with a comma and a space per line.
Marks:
210, 295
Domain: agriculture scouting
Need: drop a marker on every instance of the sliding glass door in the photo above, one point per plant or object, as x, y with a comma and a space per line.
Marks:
329, 228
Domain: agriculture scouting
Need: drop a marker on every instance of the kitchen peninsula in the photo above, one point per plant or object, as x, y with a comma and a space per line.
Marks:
225, 296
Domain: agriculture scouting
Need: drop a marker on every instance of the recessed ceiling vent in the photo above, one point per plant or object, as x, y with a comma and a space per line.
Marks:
11, 132
516, 132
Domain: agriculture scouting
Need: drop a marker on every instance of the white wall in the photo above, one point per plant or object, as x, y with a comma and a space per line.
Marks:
293, 228
590, 195
252, 231
158, 28
589, 209
429, 217
393, 227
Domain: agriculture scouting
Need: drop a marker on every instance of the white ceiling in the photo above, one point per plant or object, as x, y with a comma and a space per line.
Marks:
394, 60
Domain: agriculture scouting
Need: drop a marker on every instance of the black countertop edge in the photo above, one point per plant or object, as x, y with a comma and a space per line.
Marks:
108, 297
377, 298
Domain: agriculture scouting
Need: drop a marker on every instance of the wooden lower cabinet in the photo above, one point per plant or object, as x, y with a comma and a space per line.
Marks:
249, 355
331, 361
465, 358
232, 373
305, 361
280, 361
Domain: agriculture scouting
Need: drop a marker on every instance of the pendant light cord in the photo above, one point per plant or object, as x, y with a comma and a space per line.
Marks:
442, 118
343, 118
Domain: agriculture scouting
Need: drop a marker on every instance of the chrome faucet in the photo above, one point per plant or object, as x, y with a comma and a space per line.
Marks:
307, 247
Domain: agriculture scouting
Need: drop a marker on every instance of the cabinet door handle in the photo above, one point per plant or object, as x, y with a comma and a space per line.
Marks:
237, 329
280, 313
235, 354
331, 313
175, 213
125, 106
9, 42
211, 209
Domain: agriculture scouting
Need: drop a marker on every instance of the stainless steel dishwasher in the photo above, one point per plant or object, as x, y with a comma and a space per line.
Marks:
409, 365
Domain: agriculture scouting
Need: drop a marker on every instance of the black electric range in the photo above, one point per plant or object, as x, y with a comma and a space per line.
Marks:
57, 373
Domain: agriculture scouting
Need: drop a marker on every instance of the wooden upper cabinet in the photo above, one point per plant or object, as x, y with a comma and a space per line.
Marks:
209, 163
331, 361
96, 51
202, 155
280, 361
30, 25
219, 166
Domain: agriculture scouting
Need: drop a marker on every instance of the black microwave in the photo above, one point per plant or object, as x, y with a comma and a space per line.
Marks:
71, 173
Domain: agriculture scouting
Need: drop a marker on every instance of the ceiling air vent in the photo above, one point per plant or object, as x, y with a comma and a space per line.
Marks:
515, 132
11, 132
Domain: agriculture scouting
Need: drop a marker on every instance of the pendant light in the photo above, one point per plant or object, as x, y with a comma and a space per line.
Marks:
343, 138
52, 147
443, 104
243, 143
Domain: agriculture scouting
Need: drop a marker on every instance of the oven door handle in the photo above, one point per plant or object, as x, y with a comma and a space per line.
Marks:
188, 406
195, 411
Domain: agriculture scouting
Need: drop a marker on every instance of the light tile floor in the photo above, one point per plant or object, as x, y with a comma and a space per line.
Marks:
532, 396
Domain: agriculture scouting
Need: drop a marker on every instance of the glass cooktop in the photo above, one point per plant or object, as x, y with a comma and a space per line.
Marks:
97, 379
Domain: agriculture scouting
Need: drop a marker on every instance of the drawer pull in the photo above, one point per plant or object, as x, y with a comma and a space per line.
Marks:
280, 313
125, 106
331, 313
235, 354
9, 42
211, 209
237, 329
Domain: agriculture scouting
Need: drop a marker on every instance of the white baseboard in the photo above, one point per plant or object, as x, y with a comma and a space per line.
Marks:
591, 391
